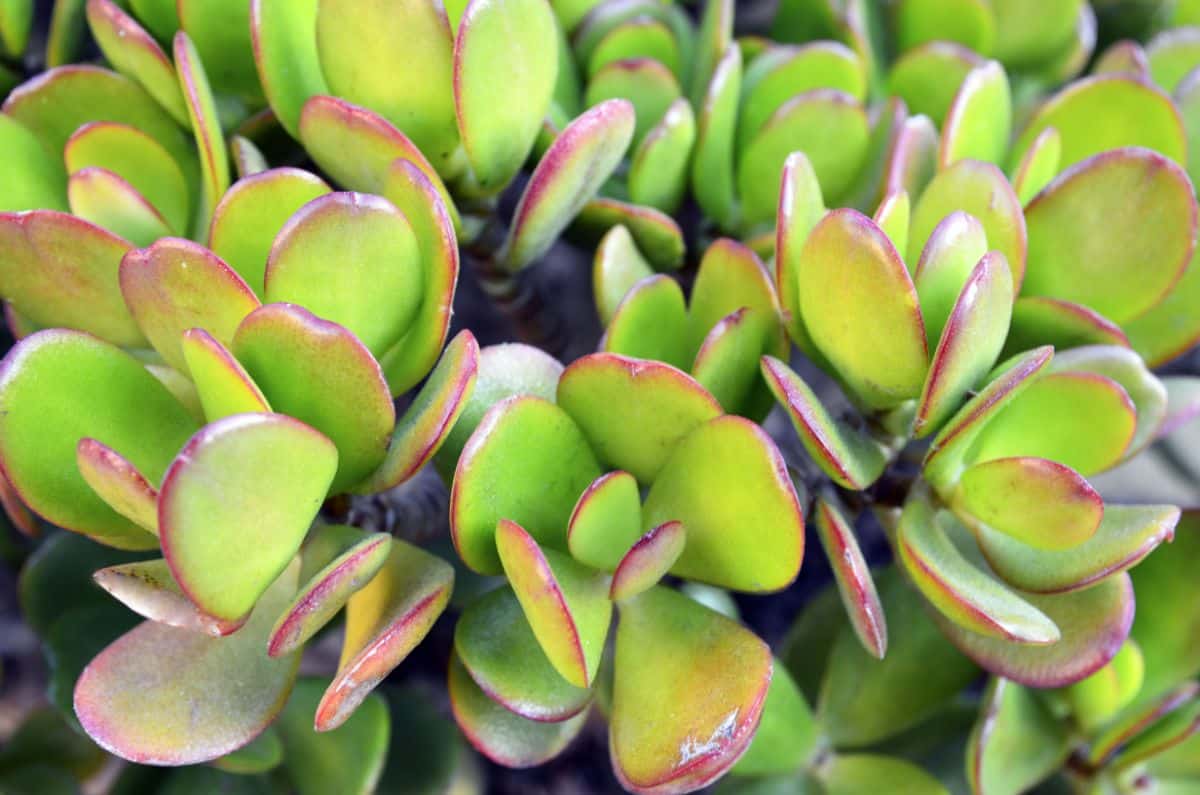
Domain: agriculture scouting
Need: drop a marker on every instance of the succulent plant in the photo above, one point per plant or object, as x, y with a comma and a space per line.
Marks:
920, 276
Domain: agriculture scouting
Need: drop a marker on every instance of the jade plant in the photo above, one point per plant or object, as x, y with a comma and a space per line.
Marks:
918, 277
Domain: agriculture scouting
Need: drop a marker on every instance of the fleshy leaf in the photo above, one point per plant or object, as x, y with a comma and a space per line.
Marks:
1039, 165
788, 734
566, 178
680, 722
1106, 112
118, 483
37, 178
497, 646
1126, 535
428, 420
162, 695
1171, 327
384, 622
356, 146
893, 216
226, 533
175, 285
319, 373
730, 277
928, 77
411, 86
250, 215
829, 126
912, 161
951, 253
964, 594
1132, 724
336, 561
848, 455
618, 266
854, 288
633, 412
411, 190
727, 362
1036, 501
849, 774
801, 206
248, 159
971, 342
41, 251
353, 259
202, 111
651, 322
1038, 320
658, 169
285, 52
349, 759
854, 582
1127, 264
59, 386
606, 521
107, 200
222, 384
979, 120
647, 561
526, 461
502, 736
945, 460
1080, 419
1016, 742
134, 53
657, 234
727, 483
645, 82
566, 604
148, 589
981, 190
712, 160
264, 753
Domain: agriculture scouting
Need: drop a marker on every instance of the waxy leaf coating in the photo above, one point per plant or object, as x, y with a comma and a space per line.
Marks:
689, 691
618, 266
148, 589
979, 120
110, 202
651, 323
134, 53
162, 695
727, 483
606, 522
222, 384
236, 503
566, 603
285, 52
118, 483
647, 561
1016, 743
349, 759
854, 582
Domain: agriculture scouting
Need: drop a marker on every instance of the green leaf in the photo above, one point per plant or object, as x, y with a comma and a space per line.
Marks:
971, 23
863, 700
658, 169
912, 161
1171, 55
788, 734
118, 483
202, 111
1149, 216
928, 77
619, 265
954, 248
606, 522
1038, 166
412, 86
502, 736
285, 52
964, 594
222, 384
856, 773
651, 322
639, 38
1134, 722
878, 303
356, 147
1095, 700
353, 259
148, 589
1016, 743
37, 178
893, 216
337, 561
599, 391
853, 577
1108, 112
567, 177
1167, 617
712, 161
385, 621
727, 362
1126, 535
248, 159
319, 373
727, 483
16, 22
41, 250
175, 285
1039, 320
850, 456
107, 200
971, 342
161, 695
729, 278
682, 720
412, 191
500, 110
648, 561
221, 32
1173, 729
267, 472
264, 753
250, 215
657, 234
348, 759
566, 603
57, 387
647, 84
495, 643
135, 54
1170, 328
801, 206
979, 121
829, 126
981, 190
